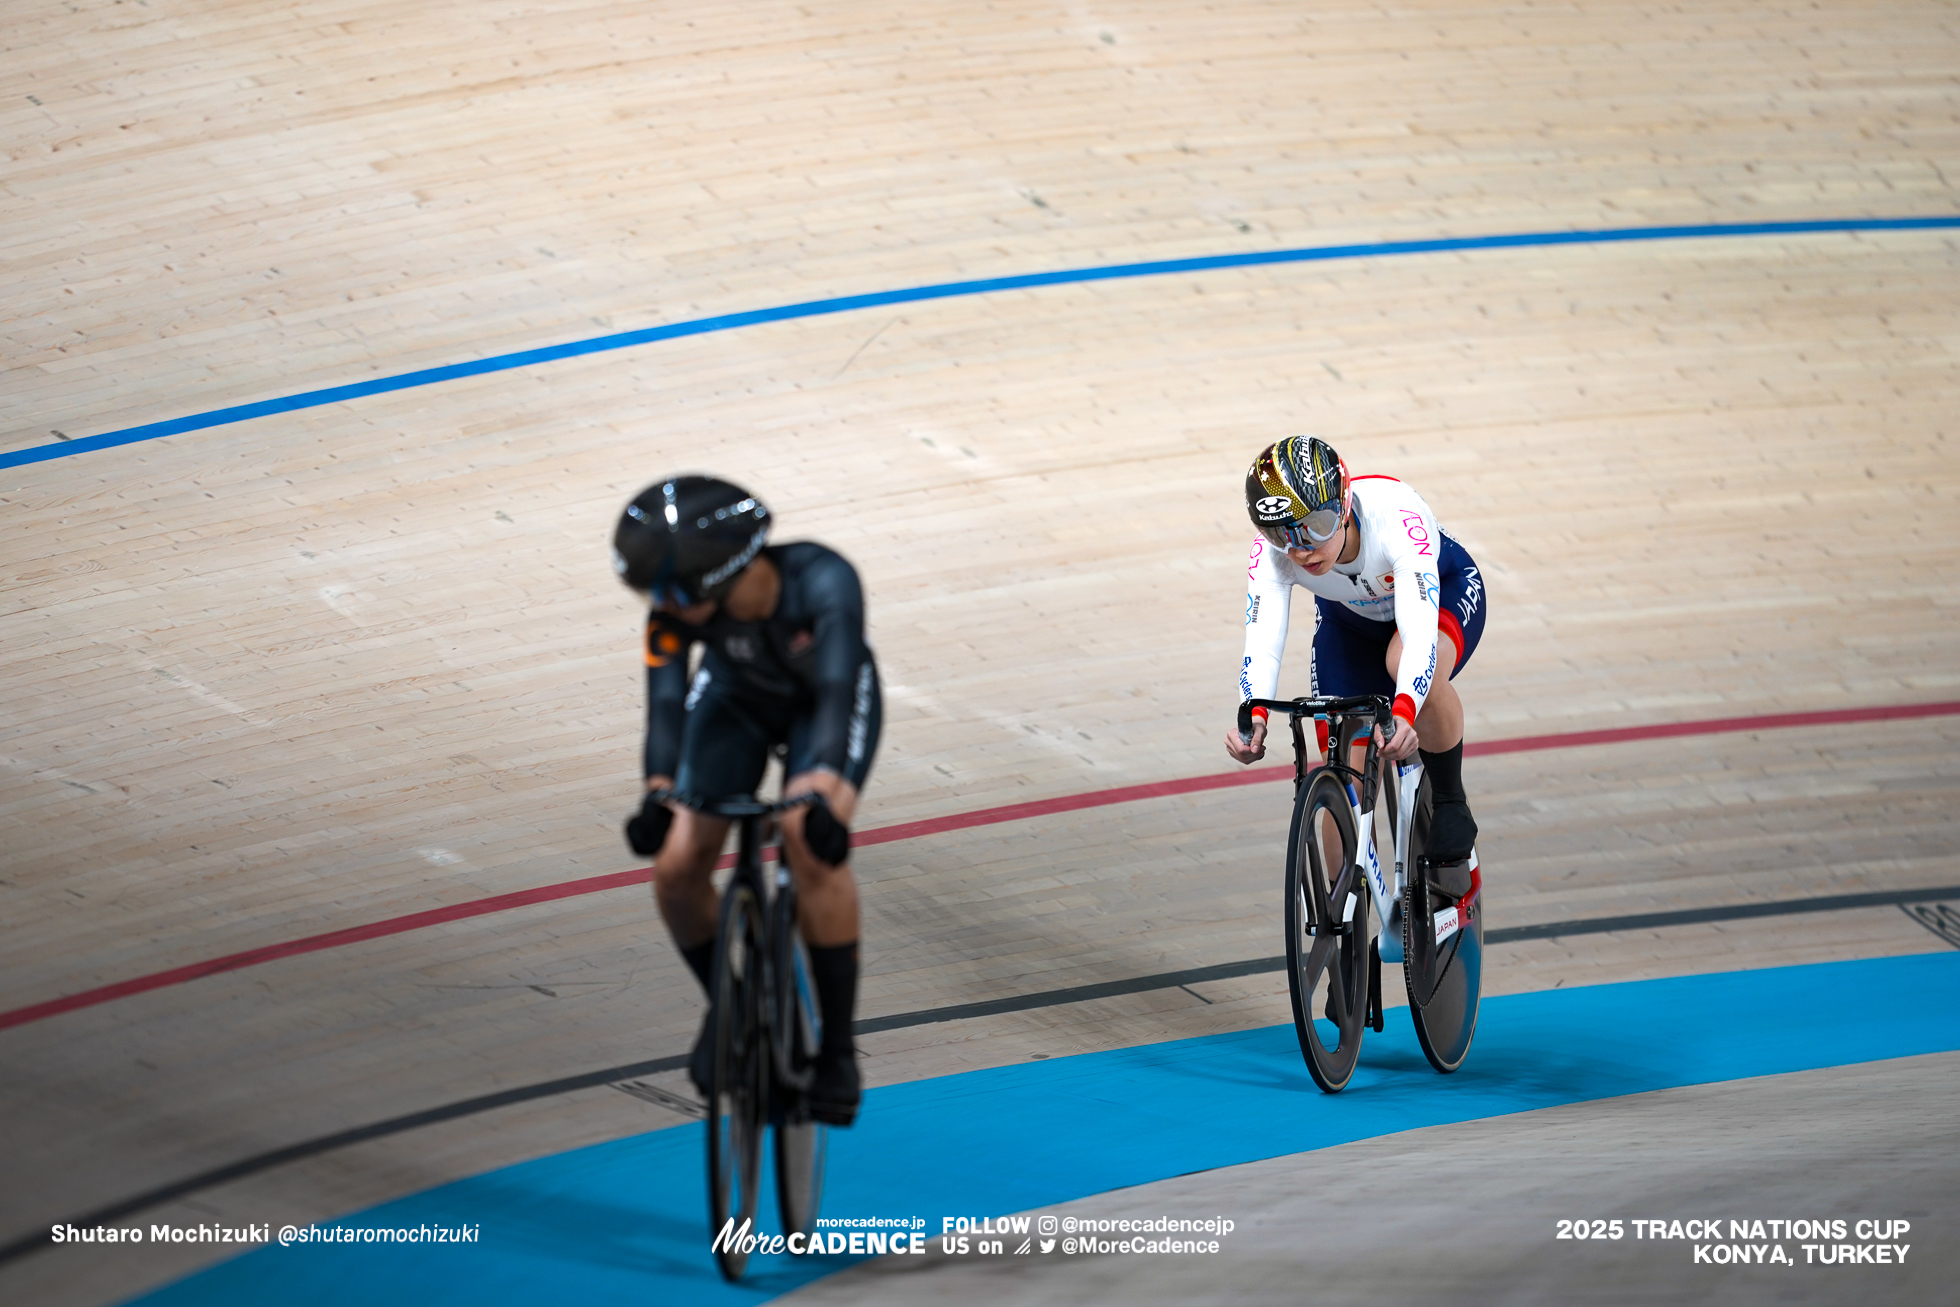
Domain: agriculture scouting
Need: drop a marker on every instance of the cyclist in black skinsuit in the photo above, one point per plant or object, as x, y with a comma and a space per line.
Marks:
784, 666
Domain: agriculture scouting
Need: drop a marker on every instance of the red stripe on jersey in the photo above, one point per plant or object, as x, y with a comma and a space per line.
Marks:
1446, 623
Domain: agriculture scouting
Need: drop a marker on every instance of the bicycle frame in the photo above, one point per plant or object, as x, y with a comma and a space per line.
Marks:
1348, 720
749, 848
764, 1022
1443, 978
753, 817
1409, 783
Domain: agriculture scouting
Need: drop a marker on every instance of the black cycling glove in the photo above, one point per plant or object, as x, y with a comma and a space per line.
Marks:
646, 830
828, 838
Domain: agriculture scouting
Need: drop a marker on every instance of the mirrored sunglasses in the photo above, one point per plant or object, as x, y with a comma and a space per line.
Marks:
1310, 532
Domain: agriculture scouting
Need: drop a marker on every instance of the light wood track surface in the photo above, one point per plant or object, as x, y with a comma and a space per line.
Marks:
1731, 1142
327, 667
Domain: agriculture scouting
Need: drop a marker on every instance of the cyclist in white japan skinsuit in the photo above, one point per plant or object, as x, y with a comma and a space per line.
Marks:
1400, 608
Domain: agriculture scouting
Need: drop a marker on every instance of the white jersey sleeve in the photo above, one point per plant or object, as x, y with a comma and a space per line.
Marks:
1413, 541
1268, 596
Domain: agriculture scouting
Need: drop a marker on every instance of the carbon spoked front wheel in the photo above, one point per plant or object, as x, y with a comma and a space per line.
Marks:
1442, 948
800, 1147
795, 1036
738, 1097
1326, 933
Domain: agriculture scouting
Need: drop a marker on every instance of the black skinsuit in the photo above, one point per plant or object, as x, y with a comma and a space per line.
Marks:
802, 677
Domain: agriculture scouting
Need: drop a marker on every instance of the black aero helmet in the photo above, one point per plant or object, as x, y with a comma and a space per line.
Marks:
1294, 492
685, 539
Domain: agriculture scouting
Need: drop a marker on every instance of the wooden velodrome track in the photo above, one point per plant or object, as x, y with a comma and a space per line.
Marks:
337, 663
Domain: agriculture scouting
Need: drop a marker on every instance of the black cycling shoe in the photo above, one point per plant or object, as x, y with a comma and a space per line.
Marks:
834, 1088
701, 1062
1452, 831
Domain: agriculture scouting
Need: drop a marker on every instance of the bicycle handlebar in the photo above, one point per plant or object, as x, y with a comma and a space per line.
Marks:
748, 807
1384, 711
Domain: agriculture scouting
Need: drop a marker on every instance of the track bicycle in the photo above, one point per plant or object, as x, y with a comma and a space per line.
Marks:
1431, 913
766, 1034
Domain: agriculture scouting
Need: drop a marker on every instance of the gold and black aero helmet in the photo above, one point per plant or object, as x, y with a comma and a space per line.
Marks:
1294, 492
685, 539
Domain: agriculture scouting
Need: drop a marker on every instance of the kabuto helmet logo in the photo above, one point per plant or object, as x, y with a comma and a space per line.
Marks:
1268, 498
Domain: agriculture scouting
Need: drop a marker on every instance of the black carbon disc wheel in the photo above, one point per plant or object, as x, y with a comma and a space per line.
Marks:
796, 1036
738, 1095
1326, 933
1442, 948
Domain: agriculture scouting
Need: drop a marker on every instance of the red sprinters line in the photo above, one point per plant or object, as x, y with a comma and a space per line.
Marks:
331, 939
929, 826
1715, 726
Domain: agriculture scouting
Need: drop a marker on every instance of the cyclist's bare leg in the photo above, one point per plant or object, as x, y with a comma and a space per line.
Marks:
683, 877
1440, 723
826, 896
684, 890
827, 914
1439, 735
1439, 726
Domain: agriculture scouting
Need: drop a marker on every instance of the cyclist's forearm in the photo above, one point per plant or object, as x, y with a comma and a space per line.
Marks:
1415, 620
830, 725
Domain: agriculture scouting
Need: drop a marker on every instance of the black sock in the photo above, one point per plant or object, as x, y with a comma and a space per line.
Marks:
1445, 773
701, 961
835, 969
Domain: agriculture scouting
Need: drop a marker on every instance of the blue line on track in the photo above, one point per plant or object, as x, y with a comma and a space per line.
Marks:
624, 1222
944, 290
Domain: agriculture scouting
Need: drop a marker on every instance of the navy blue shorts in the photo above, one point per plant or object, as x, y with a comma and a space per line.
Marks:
1350, 654
726, 743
